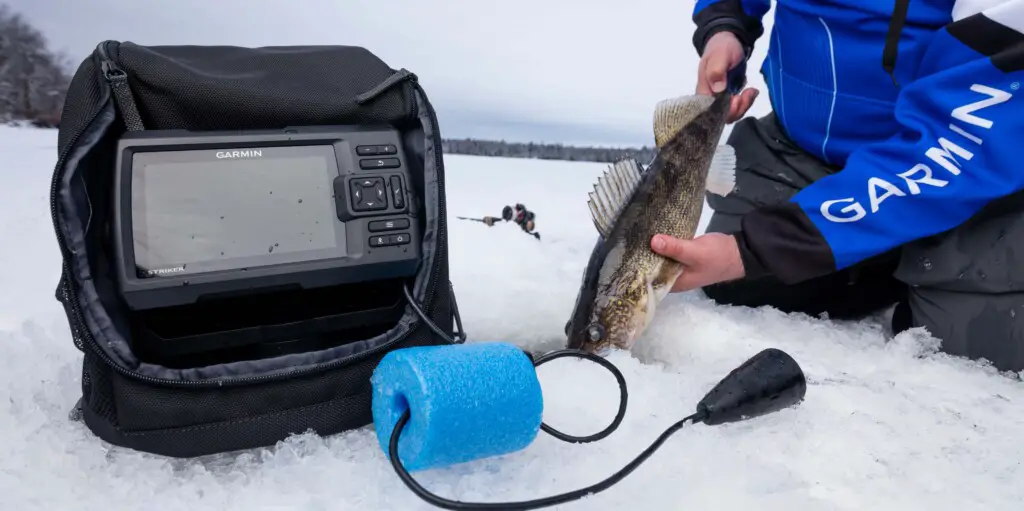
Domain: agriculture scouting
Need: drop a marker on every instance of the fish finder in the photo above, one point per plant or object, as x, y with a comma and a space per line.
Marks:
201, 215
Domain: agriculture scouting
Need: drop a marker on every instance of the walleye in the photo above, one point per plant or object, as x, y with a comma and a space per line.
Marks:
625, 280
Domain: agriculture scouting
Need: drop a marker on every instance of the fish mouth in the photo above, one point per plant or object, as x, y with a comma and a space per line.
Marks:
580, 342
601, 348
623, 342
616, 326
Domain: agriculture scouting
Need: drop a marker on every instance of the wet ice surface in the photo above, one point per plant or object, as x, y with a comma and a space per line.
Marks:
886, 425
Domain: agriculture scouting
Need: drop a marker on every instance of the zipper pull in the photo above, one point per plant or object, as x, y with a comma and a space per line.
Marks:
113, 73
110, 69
118, 80
399, 76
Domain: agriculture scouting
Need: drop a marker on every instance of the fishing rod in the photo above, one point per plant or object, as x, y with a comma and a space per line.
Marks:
490, 221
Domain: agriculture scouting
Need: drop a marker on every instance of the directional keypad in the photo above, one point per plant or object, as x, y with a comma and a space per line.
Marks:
369, 194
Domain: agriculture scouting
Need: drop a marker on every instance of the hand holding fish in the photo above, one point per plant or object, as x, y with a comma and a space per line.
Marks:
707, 259
722, 53
624, 280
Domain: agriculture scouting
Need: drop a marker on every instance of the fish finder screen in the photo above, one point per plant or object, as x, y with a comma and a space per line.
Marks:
198, 211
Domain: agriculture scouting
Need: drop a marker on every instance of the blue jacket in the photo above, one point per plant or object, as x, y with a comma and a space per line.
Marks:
918, 101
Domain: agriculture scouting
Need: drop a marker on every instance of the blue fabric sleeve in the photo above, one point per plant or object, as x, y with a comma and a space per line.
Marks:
962, 124
741, 17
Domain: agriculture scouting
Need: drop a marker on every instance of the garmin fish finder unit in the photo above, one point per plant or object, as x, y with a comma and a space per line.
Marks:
201, 215
257, 243
244, 232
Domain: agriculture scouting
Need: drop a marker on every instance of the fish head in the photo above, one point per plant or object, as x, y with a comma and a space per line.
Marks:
612, 306
613, 322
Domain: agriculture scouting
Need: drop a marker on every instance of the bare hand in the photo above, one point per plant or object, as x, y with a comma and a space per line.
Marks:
723, 53
707, 259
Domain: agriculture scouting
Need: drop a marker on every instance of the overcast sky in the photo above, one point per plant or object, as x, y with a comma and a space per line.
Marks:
571, 71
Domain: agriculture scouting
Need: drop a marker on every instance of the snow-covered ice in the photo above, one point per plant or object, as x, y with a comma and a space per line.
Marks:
887, 423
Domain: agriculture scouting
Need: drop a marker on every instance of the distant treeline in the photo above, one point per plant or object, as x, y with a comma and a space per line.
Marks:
545, 151
34, 80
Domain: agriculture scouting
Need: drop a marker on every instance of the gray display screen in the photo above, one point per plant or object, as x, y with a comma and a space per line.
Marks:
211, 210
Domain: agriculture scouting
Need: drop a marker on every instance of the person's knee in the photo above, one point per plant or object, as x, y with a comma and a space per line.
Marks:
966, 291
973, 326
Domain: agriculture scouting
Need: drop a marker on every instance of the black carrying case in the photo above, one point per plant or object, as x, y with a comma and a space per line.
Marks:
205, 409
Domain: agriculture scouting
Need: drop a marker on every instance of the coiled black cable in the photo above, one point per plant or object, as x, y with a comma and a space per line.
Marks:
553, 500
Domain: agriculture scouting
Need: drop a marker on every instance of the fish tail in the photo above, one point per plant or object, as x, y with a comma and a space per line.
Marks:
673, 114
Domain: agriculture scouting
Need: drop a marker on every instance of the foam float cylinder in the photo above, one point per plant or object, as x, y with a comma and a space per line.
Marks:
466, 402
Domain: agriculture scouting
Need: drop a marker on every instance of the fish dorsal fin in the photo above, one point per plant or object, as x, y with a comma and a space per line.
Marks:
612, 192
671, 115
722, 172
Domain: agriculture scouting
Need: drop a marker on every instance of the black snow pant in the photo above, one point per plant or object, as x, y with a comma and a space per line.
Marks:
966, 286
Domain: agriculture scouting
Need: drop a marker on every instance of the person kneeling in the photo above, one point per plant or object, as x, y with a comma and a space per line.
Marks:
848, 202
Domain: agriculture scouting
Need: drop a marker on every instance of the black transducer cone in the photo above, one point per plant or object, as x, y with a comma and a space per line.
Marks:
767, 382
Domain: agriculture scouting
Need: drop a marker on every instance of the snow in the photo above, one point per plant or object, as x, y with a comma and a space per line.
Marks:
887, 424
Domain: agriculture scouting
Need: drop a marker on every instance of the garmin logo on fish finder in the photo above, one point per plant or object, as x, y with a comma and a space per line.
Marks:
247, 153
948, 154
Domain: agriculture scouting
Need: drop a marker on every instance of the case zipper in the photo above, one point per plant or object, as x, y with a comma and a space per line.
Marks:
118, 80
71, 296
442, 214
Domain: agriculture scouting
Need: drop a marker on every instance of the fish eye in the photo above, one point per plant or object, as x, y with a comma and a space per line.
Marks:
595, 331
